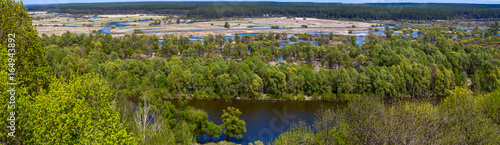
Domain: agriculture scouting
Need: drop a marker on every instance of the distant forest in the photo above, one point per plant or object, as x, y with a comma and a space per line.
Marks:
369, 11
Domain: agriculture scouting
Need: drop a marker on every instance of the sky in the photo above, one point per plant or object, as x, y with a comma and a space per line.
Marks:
27, 2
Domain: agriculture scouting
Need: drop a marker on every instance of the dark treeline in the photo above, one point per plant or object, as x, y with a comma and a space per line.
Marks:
258, 9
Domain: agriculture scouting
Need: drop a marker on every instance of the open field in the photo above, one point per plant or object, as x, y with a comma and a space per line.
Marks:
87, 24
61, 30
69, 20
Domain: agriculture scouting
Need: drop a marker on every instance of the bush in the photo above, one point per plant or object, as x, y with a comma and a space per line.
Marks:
287, 97
197, 95
138, 31
275, 27
328, 96
226, 96
301, 96
304, 26
244, 95
350, 31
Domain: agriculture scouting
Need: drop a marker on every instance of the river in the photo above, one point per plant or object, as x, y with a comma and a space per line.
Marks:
265, 120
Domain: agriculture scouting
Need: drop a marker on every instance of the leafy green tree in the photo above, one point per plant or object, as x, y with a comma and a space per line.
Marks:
178, 80
232, 125
77, 111
237, 38
470, 125
213, 130
299, 133
31, 71
197, 120
476, 82
438, 82
256, 86
178, 20
344, 82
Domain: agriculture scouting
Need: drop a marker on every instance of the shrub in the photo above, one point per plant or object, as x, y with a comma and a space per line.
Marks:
301, 96
287, 97
138, 31
328, 96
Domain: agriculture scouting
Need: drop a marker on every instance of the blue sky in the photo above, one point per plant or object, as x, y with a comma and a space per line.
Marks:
341, 1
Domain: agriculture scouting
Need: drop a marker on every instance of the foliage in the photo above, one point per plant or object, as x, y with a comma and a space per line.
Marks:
460, 119
213, 130
232, 125
76, 111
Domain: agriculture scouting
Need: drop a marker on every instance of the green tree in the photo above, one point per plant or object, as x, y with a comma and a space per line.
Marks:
31, 71
213, 130
178, 20
470, 125
438, 82
178, 80
77, 111
232, 125
476, 83
344, 82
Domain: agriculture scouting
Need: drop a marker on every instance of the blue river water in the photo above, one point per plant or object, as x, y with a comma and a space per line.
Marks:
264, 120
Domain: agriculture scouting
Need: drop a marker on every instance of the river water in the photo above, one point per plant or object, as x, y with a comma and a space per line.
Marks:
265, 120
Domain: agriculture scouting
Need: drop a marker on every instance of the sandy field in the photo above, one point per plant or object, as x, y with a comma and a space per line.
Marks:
37, 12
247, 25
61, 30
294, 31
69, 21
257, 23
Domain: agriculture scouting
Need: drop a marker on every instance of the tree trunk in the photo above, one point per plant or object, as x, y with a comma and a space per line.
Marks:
227, 137
210, 138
